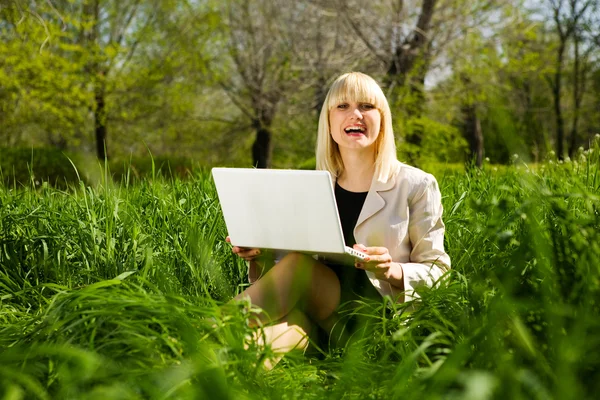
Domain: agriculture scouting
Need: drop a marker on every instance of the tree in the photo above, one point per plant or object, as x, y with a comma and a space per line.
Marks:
407, 38
471, 88
261, 49
527, 54
585, 34
567, 16
41, 90
326, 51
111, 31
163, 100
400, 40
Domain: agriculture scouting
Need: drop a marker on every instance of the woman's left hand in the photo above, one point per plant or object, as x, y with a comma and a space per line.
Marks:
380, 263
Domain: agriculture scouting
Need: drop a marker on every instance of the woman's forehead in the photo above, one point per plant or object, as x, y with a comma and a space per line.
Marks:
353, 98
358, 88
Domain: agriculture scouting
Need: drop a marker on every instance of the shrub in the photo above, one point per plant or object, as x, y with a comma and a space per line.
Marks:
144, 167
33, 166
311, 163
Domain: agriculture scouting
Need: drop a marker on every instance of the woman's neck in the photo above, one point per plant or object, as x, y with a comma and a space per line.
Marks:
359, 168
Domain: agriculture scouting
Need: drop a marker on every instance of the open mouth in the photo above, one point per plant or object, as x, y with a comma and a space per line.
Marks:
355, 130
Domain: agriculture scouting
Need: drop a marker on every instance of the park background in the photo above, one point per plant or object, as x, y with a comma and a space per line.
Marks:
242, 82
112, 259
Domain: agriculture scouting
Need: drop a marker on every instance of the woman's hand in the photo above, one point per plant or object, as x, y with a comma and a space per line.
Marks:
259, 263
379, 262
246, 253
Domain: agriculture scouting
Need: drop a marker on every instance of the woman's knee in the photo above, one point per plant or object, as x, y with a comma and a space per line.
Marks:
325, 296
300, 267
297, 259
319, 283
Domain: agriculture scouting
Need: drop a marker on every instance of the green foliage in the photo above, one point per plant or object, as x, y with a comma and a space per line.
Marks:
57, 66
309, 164
169, 81
43, 96
294, 139
112, 292
111, 230
443, 170
149, 167
501, 134
440, 143
32, 167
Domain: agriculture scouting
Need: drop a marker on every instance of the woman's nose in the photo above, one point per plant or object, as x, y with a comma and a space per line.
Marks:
356, 113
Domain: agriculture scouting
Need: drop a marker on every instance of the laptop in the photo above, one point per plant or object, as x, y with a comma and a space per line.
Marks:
283, 211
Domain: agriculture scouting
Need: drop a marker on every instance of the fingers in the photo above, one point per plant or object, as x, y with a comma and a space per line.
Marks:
371, 250
373, 265
378, 259
246, 253
360, 247
376, 255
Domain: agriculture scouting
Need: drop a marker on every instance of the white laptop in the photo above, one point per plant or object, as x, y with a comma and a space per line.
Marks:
283, 210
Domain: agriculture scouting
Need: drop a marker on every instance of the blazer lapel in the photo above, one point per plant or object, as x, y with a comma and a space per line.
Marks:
374, 202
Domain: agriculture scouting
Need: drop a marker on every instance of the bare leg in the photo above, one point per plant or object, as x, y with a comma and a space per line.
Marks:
289, 333
296, 291
297, 281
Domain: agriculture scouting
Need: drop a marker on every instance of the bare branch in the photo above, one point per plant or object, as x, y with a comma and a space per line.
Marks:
127, 23
232, 96
423, 24
359, 32
135, 44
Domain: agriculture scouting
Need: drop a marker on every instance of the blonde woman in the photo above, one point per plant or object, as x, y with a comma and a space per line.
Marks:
389, 210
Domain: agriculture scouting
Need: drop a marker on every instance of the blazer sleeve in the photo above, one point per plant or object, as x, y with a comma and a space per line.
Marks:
428, 259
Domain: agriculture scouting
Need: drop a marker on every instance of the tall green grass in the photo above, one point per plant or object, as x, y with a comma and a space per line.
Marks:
114, 292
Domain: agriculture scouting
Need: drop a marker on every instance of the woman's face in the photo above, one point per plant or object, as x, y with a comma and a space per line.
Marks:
354, 125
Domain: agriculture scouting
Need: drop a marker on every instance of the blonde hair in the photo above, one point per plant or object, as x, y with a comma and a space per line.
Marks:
360, 88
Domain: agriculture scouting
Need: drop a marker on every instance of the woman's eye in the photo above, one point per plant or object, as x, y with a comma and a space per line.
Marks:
342, 106
367, 106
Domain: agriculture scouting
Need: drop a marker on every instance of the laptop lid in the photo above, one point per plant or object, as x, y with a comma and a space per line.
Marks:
280, 209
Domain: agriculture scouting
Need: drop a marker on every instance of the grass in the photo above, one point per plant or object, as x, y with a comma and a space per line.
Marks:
114, 292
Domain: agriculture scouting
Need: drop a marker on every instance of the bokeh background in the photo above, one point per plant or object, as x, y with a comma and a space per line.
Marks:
242, 82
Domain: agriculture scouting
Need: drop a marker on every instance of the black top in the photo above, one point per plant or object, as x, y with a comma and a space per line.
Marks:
349, 205
353, 282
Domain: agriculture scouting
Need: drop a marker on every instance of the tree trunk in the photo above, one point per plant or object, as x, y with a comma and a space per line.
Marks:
472, 132
407, 54
577, 97
57, 141
556, 93
100, 125
415, 107
261, 149
320, 93
411, 54
89, 37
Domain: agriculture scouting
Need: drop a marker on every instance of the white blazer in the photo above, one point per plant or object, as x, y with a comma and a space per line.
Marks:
404, 215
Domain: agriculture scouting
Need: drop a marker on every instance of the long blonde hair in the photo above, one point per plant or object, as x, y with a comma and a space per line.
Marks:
360, 88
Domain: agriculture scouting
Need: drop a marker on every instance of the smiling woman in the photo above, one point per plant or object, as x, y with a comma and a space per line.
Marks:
355, 124
388, 210
356, 98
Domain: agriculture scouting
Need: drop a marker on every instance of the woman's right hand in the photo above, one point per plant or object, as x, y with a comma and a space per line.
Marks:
248, 254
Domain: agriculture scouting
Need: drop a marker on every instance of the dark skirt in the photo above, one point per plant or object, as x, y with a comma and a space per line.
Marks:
356, 290
354, 283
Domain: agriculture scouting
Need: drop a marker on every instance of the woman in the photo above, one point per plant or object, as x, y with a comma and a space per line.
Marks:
389, 210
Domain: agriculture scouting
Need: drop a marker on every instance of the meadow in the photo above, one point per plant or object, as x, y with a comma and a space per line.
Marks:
114, 292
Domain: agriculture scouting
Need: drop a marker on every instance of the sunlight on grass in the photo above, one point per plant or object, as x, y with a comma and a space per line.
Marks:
115, 292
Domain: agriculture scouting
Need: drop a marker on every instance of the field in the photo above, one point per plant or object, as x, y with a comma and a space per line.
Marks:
113, 292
